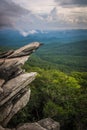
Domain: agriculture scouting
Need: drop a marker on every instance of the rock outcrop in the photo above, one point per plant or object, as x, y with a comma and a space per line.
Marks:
14, 89
14, 93
49, 124
45, 124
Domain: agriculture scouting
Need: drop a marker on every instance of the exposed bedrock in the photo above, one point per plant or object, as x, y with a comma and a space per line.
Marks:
15, 90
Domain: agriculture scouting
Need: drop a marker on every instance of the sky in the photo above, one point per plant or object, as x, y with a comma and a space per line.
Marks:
27, 16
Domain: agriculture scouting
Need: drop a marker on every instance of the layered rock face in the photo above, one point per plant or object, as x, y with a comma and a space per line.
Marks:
14, 93
14, 89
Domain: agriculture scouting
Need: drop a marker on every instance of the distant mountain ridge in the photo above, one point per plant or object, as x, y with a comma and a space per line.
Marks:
65, 49
14, 38
66, 57
74, 48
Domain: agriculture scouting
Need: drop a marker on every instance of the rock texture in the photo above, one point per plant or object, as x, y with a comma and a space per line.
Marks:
49, 124
14, 90
45, 124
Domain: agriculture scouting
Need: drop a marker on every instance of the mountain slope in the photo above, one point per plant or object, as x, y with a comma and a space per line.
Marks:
71, 56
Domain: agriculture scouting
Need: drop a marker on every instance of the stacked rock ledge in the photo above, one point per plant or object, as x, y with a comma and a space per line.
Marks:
14, 90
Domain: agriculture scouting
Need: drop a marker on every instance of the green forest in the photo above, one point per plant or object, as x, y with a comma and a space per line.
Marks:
60, 88
53, 81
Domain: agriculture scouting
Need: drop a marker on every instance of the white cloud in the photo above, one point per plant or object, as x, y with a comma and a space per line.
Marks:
45, 15
37, 6
28, 33
71, 16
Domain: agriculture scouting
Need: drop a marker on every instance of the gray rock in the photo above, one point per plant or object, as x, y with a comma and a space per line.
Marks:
1, 128
49, 124
6, 54
26, 50
31, 126
15, 85
45, 124
11, 62
1, 84
14, 89
22, 102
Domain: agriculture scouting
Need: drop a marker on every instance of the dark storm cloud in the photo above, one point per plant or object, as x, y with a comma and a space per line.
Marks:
9, 12
72, 2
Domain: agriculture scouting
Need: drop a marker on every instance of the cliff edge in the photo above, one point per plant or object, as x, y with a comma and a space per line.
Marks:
14, 89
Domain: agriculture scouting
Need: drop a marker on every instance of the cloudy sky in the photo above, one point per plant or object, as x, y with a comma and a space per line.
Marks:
29, 15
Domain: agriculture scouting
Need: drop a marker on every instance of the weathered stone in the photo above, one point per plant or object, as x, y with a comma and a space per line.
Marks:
10, 63
1, 128
26, 50
14, 90
6, 54
22, 102
49, 124
13, 86
1, 84
45, 124
31, 126
5, 110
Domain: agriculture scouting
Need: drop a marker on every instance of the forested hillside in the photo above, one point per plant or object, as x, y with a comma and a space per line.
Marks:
58, 64
66, 57
60, 89
59, 96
